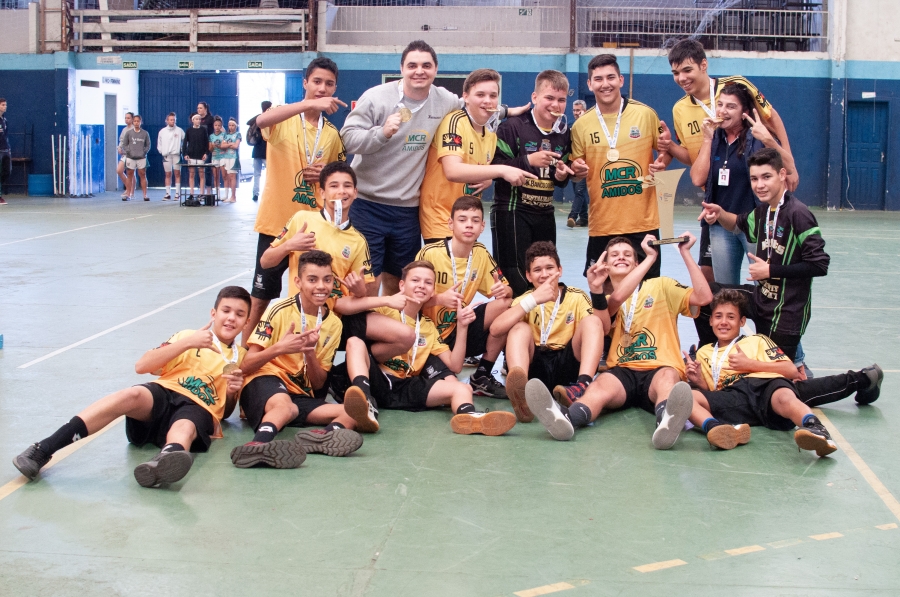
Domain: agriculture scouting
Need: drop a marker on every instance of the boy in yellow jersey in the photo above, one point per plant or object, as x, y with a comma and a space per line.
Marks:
463, 268
554, 333
198, 385
300, 141
645, 365
330, 230
423, 377
616, 139
286, 371
460, 155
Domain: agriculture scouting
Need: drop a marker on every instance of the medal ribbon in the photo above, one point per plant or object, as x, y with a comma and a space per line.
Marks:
718, 364
415, 346
770, 229
615, 137
462, 289
311, 156
338, 216
545, 332
711, 110
630, 316
234, 355
303, 322
402, 105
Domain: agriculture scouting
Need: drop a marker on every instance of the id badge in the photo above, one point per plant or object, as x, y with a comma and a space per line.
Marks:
724, 174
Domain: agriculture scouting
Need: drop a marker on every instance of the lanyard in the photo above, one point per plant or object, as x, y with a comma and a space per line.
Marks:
465, 281
311, 156
545, 331
234, 354
338, 216
560, 125
615, 137
717, 364
303, 321
711, 110
770, 229
415, 346
630, 316
490, 125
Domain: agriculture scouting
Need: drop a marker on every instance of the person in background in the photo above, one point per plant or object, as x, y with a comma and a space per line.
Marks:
168, 144
135, 145
5, 158
120, 167
231, 160
216, 146
195, 150
255, 139
579, 214
206, 119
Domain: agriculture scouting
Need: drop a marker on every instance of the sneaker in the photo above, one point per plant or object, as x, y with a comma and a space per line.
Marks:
504, 369
566, 395
275, 454
31, 461
361, 410
166, 467
166, 197
677, 410
815, 437
487, 385
256, 197
146, 198
540, 401
871, 393
496, 422
2, 201
337, 442
124, 197
471, 361
515, 391
581, 224
570, 222
727, 437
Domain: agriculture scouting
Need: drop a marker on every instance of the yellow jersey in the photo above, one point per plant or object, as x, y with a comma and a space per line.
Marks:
197, 374
757, 347
291, 368
574, 305
427, 343
347, 247
481, 279
285, 191
455, 136
620, 203
688, 115
654, 328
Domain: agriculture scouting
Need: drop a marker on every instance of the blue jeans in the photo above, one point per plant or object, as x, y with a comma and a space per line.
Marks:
392, 233
580, 204
257, 173
729, 249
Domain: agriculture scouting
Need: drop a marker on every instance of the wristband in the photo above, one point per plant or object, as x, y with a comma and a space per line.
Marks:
599, 302
528, 303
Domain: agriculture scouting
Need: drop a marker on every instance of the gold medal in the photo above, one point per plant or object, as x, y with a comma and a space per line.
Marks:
625, 342
612, 155
405, 114
229, 368
649, 181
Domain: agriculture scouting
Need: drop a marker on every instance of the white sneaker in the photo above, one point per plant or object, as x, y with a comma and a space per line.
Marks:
541, 403
677, 410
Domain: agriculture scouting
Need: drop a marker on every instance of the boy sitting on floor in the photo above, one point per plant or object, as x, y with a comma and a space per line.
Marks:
180, 412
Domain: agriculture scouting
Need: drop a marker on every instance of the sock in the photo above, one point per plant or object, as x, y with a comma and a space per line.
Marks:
69, 433
484, 368
265, 433
660, 411
710, 423
584, 378
168, 188
362, 382
810, 419
579, 414
333, 425
173, 447
465, 409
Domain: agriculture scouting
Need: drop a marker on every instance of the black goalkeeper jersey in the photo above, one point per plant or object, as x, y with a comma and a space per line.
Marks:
517, 137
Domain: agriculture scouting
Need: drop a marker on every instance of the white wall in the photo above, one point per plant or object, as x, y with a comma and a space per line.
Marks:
90, 102
873, 26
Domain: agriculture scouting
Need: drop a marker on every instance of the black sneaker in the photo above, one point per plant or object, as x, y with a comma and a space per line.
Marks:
337, 442
487, 385
166, 467
471, 361
677, 410
31, 461
274, 454
871, 393
256, 197
581, 224
814, 437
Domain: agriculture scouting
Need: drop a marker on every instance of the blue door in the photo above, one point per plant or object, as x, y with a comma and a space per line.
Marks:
864, 175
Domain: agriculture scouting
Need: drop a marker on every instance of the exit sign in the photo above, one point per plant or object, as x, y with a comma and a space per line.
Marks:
186, 64
129, 64
254, 64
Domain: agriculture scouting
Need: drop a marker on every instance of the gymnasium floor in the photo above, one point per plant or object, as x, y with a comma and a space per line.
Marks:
87, 285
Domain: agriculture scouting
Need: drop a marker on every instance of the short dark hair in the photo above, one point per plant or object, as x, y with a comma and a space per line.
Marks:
687, 49
217, 118
323, 63
333, 168
235, 292
413, 265
129, 113
481, 75
603, 60
171, 114
418, 46
2, 100
138, 116
542, 248
466, 203
730, 296
313, 257
265, 105
557, 80
767, 156
620, 240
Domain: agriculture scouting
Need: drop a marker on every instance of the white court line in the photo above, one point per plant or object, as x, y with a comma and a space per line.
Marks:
130, 321
73, 230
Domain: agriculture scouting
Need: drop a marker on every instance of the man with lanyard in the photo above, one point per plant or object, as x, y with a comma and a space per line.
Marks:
620, 182
300, 141
5, 159
537, 142
790, 252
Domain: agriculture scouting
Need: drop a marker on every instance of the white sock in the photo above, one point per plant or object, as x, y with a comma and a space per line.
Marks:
168, 188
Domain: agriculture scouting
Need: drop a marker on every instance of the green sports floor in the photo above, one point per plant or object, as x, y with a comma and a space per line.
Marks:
87, 285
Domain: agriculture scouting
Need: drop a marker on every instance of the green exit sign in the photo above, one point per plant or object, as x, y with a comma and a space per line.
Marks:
186, 64
129, 64
524, 12
254, 64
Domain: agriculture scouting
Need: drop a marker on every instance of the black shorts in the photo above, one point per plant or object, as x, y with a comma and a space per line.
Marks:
749, 400
353, 325
512, 233
477, 335
597, 244
705, 251
554, 367
637, 386
170, 406
257, 392
267, 282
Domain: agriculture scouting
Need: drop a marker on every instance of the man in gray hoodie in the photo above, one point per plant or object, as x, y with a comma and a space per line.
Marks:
134, 145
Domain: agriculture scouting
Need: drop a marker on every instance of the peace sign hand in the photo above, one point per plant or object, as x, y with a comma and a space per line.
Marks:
758, 128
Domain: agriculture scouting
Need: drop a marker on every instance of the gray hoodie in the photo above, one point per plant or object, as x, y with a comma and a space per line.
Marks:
135, 144
390, 171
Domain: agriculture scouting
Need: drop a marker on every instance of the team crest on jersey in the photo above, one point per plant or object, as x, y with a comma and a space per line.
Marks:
345, 252
319, 154
451, 140
474, 275
622, 179
422, 341
779, 232
264, 330
635, 133
531, 146
774, 353
648, 303
259, 282
570, 318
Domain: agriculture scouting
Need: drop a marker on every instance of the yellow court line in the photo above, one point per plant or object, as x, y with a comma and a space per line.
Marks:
660, 565
22, 480
874, 482
887, 527
545, 590
826, 536
739, 551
